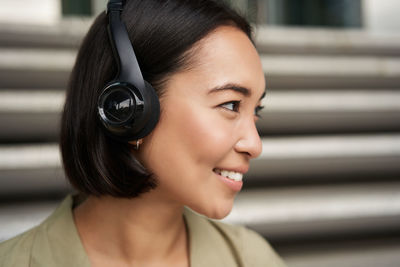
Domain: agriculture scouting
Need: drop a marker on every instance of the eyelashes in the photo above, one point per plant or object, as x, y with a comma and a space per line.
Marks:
257, 111
235, 105
231, 105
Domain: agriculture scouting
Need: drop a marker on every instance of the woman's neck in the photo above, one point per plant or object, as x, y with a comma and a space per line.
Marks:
144, 231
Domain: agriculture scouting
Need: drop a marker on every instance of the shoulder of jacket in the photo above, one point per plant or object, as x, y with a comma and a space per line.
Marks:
254, 249
17, 250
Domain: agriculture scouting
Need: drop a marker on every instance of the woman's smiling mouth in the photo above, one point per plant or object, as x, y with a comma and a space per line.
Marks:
232, 179
236, 176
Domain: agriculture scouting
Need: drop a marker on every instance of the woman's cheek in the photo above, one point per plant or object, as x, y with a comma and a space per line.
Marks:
208, 131
207, 124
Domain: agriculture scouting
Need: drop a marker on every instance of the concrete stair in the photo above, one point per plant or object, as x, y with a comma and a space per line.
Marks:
326, 189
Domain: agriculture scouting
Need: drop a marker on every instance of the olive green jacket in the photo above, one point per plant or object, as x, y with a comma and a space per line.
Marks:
56, 242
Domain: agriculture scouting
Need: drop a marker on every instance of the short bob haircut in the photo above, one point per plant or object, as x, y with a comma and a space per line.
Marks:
162, 33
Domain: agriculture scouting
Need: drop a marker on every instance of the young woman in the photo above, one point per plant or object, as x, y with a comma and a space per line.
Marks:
147, 193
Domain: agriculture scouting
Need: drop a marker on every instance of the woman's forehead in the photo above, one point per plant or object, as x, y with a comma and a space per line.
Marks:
229, 57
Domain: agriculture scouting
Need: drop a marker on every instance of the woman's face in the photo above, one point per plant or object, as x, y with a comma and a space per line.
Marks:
207, 125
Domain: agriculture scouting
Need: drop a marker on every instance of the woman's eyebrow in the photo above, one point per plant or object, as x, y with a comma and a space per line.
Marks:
234, 87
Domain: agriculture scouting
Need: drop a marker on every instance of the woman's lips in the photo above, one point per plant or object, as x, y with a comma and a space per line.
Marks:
230, 178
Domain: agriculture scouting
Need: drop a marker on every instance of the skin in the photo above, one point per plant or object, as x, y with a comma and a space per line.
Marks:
200, 129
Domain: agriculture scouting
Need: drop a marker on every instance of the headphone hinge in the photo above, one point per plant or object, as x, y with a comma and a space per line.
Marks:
114, 6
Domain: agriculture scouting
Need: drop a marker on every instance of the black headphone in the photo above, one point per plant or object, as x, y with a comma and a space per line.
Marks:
128, 106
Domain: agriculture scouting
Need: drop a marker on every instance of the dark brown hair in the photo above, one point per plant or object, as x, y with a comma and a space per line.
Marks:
161, 32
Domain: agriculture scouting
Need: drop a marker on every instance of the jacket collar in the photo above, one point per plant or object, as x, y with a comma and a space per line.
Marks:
208, 244
57, 242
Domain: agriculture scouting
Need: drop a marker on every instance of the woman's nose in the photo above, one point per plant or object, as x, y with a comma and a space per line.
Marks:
249, 142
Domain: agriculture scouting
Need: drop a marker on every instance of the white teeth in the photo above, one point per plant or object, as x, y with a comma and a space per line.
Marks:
236, 176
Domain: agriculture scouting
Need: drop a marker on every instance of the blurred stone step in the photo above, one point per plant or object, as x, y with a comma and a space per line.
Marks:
329, 111
277, 213
314, 41
337, 157
327, 72
68, 33
319, 212
366, 253
49, 68
30, 114
270, 39
31, 170
34, 114
35, 68
37, 168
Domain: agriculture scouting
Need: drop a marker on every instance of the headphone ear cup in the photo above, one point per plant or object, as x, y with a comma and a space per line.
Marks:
126, 112
151, 110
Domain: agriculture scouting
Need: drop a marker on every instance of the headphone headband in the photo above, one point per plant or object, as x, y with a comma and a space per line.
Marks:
128, 66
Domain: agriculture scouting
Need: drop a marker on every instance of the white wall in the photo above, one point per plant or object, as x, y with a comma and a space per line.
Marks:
98, 6
379, 15
382, 15
42, 12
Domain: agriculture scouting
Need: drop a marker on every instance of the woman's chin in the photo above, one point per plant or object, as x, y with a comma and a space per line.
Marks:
219, 216
214, 212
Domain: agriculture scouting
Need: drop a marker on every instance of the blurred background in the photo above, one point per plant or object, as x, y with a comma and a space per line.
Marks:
326, 189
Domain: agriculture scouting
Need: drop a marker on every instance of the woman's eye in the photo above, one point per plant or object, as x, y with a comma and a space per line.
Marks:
232, 105
257, 111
